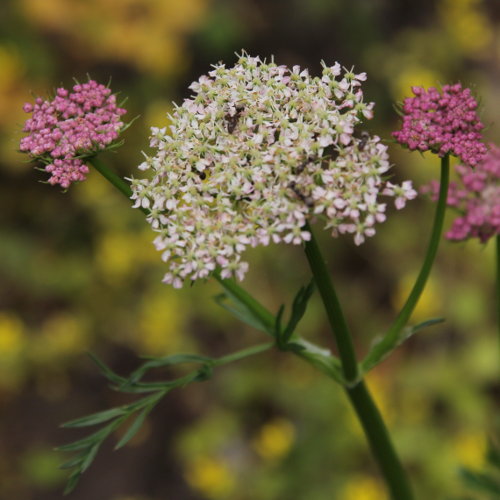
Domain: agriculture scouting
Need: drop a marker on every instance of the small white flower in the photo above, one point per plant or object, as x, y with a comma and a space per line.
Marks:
251, 156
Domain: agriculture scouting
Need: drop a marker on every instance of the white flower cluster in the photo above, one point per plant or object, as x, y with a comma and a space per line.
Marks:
255, 152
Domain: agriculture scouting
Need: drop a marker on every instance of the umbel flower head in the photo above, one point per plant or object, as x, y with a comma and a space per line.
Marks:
476, 197
257, 151
68, 128
443, 122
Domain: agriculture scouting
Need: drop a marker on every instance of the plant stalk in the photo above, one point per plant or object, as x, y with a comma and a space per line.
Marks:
359, 396
116, 180
380, 442
333, 309
366, 410
390, 338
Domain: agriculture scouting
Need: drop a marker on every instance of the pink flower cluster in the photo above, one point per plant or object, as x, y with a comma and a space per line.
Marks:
476, 197
443, 122
70, 127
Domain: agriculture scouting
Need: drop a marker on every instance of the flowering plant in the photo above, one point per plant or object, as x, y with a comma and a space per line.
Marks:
256, 152
257, 155
443, 122
476, 197
72, 126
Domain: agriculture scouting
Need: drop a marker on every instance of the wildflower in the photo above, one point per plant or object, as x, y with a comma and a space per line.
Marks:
443, 122
211, 476
477, 197
257, 151
274, 439
70, 127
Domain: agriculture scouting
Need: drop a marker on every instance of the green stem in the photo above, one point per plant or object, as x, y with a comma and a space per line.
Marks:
358, 394
313, 354
390, 339
333, 309
245, 353
117, 181
380, 442
364, 406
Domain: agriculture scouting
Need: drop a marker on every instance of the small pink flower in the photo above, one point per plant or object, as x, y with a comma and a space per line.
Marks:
443, 122
62, 132
476, 197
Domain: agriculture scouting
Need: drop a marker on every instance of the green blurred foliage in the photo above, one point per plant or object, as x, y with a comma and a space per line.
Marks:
78, 271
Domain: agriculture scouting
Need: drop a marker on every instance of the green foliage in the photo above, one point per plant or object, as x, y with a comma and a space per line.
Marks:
239, 310
486, 482
88, 446
383, 347
299, 307
251, 312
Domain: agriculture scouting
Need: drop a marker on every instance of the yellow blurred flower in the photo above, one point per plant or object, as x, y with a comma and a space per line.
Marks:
13, 92
363, 488
61, 336
210, 476
468, 25
121, 254
430, 304
409, 76
469, 448
156, 113
94, 191
114, 256
12, 69
381, 389
12, 345
11, 335
146, 33
161, 323
274, 439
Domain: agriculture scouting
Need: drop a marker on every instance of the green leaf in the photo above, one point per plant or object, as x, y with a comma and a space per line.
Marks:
241, 312
88, 441
89, 458
134, 427
106, 371
409, 331
480, 481
247, 309
165, 361
72, 481
142, 387
95, 418
277, 325
128, 124
90, 445
299, 307
383, 347
322, 359
148, 400
70, 464
245, 353
493, 455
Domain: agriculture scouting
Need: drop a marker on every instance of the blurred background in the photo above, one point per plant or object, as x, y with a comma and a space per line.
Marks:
78, 271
